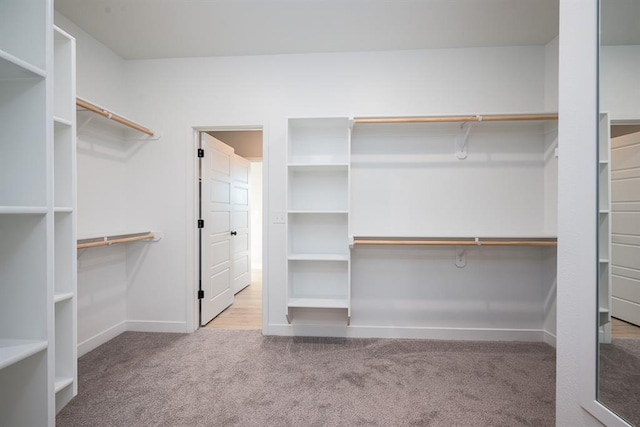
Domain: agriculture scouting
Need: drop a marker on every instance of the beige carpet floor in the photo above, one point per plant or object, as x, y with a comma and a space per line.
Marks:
217, 377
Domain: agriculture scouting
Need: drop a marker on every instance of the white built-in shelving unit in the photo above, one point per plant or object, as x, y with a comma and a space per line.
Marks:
604, 228
318, 214
405, 190
37, 222
64, 205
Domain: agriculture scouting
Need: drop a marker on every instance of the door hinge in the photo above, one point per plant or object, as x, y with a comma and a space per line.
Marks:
200, 152
201, 223
200, 294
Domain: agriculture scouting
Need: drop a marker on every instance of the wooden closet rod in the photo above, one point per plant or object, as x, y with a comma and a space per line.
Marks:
112, 240
479, 242
109, 115
454, 119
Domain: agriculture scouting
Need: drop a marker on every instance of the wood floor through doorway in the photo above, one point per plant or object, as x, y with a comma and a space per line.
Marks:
622, 329
246, 310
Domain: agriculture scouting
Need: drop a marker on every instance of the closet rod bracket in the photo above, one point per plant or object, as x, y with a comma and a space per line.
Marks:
461, 257
462, 140
84, 124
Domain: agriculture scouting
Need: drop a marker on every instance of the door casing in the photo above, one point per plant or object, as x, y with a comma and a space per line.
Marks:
192, 208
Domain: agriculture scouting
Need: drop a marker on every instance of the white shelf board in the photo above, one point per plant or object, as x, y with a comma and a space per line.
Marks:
308, 167
604, 162
13, 350
62, 296
30, 210
12, 67
604, 211
62, 382
59, 121
317, 212
318, 257
318, 159
603, 317
63, 209
318, 303
60, 34
604, 260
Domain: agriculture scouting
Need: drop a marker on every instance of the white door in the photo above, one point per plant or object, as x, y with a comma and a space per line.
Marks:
625, 227
215, 244
241, 221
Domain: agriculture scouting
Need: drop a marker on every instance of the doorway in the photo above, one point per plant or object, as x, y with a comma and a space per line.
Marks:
230, 180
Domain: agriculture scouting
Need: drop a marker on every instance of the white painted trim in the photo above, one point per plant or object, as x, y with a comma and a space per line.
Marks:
549, 338
97, 340
265, 225
466, 334
191, 231
577, 306
192, 212
604, 415
129, 325
156, 326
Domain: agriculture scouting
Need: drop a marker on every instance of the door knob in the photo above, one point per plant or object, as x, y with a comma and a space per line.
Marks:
233, 233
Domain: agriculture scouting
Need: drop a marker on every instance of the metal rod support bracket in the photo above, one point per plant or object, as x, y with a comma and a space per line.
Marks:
461, 257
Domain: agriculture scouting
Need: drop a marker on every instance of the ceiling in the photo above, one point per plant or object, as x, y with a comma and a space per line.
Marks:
145, 29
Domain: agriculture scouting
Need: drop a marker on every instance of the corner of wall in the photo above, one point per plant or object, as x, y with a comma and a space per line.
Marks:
551, 56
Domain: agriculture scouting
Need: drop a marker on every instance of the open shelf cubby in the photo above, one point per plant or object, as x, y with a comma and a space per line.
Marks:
319, 141
318, 188
323, 235
24, 30
22, 154
19, 403
319, 284
23, 277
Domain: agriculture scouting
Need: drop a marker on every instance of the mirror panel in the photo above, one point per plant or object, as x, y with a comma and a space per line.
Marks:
619, 209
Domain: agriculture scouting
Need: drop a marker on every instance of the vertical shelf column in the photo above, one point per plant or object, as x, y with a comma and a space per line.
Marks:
604, 229
64, 176
25, 214
318, 176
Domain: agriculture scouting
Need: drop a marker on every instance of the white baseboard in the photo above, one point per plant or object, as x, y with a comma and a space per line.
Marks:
311, 330
130, 325
97, 340
549, 338
156, 326
467, 334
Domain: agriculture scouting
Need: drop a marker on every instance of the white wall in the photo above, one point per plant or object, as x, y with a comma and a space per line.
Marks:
406, 180
551, 75
174, 95
101, 162
620, 82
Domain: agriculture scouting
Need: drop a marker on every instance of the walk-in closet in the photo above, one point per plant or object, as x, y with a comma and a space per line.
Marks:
426, 170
